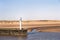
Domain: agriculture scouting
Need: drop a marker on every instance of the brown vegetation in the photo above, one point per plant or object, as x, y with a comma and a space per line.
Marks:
32, 24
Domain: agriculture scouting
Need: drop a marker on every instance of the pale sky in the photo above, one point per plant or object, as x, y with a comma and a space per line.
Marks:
30, 9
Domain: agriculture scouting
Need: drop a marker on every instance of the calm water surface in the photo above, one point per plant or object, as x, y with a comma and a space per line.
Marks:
34, 36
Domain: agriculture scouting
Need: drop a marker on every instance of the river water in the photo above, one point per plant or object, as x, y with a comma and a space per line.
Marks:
34, 36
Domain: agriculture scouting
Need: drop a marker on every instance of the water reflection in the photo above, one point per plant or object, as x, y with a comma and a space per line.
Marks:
22, 38
34, 36
13, 37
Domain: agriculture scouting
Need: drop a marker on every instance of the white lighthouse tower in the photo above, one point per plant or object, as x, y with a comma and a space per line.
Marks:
22, 31
20, 21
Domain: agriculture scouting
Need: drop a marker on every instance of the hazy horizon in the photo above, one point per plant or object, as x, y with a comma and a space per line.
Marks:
30, 9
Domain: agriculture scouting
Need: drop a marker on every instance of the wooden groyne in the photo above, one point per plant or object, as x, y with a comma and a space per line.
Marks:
13, 32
